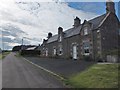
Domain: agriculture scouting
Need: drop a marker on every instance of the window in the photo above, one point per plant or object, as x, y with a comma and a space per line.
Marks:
60, 38
46, 52
54, 51
98, 31
86, 47
60, 50
85, 31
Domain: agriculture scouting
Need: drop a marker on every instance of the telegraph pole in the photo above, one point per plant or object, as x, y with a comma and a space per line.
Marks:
22, 45
2, 42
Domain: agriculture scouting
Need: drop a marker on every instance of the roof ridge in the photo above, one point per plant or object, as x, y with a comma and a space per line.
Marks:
98, 20
104, 19
97, 17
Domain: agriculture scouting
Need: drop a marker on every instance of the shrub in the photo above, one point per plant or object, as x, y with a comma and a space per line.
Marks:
87, 58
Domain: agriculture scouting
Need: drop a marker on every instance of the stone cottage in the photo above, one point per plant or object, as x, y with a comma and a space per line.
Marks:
93, 38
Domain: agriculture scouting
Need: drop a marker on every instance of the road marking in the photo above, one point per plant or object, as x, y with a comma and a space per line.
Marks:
44, 69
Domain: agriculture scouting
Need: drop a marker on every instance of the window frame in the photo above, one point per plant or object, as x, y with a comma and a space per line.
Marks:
60, 50
60, 38
54, 51
86, 47
85, 31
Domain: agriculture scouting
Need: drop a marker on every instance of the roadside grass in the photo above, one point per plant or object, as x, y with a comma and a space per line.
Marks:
97, 76
3, 55
17, 54
0, 56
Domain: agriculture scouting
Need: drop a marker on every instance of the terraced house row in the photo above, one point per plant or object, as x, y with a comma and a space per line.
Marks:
95, 38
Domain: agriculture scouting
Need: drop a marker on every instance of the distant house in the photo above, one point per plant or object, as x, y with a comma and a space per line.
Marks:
93, 38
30, 50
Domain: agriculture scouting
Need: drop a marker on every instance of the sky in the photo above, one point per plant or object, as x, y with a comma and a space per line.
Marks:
95, 7
33, 21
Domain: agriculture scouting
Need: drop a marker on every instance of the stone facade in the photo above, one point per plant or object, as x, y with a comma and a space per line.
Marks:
94, 38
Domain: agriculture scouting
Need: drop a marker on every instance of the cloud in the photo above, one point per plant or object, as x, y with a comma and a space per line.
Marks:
35, 19
11, 35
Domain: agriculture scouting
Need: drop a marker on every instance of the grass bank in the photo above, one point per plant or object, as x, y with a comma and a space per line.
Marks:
18, 54
3, 55
97, 76
0, 56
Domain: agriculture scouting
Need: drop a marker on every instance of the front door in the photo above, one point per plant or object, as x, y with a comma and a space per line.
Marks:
74, 52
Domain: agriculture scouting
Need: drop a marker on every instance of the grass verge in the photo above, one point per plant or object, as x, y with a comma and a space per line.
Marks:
97, 76
18, 54
0, 56
3, 55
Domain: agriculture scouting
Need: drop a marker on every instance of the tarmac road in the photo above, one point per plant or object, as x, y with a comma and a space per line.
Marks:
17, 73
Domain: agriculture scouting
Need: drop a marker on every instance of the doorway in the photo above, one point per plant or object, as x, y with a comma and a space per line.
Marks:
75, 52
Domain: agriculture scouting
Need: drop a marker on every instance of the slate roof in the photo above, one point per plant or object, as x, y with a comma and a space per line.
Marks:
52, 39
75, 31
72, 31
96, 21
68, 33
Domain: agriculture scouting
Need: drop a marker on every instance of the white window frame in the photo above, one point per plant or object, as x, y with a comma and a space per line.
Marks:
60, 50
74, 52
98, 31
85, 48
86, 54
46, 52
60, 38
54, 51
85, 31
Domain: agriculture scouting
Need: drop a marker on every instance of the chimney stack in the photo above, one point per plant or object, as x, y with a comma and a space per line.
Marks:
110, 6
60, 30
77, 22
49, 35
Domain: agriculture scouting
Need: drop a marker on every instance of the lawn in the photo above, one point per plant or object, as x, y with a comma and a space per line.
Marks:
97, 76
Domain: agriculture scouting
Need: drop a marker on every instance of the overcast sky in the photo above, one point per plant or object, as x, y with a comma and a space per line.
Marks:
33, 20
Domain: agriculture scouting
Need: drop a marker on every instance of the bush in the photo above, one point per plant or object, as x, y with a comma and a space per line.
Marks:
87, 58
99, 60
30, 52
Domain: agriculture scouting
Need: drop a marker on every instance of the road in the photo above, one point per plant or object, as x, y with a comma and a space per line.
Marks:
17, 73
62, 67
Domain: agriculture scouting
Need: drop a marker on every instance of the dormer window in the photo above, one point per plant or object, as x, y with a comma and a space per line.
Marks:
60, 38
85, 31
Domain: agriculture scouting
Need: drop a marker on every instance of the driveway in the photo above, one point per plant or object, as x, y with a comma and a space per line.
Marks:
17, 73
62, 67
